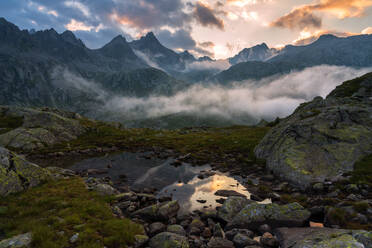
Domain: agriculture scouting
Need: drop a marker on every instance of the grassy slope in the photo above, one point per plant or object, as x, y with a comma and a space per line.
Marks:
55, 211
203, 144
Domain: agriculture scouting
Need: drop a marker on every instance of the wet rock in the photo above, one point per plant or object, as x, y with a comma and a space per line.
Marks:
254, 215
177, 229
17, 174
156, 227
228, 193
217, 242
167, 240
231, 207
158, 212
268, 240
201, 201
322, 238
140, 240
240, 241
19, 241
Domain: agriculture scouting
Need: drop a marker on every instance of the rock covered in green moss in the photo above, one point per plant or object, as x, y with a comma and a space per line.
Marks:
323, 138
17, 174
253, 215
231, 207
168, 240
39, 127
323, 238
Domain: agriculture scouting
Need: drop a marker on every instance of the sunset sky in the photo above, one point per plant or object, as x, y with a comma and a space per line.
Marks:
205, 27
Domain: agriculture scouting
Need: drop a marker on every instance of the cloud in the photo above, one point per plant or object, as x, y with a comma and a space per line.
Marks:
218, 65
367, 30
74, 25
307, 37
267, 98
242, 3
206, 16
298, 19
304, 17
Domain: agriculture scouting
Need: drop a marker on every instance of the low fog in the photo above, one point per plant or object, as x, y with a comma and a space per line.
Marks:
267, 99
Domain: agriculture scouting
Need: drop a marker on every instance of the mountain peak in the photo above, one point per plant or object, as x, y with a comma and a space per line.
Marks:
327, 37
119, 38
71, 38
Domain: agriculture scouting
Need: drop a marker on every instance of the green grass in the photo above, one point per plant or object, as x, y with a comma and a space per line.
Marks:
362, 173
55, 211
202, 144
8, 123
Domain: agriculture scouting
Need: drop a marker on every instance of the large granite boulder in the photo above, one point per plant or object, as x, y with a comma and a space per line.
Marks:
232, 207
37, 128
323, 138
17, 174
254, 215
323, 238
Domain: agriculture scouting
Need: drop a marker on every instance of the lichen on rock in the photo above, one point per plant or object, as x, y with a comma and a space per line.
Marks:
307, 148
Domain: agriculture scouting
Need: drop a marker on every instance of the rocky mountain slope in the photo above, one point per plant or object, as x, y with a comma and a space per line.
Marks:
45, 68
323, 138
353, 51
256, 53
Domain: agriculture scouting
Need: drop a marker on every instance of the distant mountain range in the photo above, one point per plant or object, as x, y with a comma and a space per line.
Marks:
353, 51
45, 68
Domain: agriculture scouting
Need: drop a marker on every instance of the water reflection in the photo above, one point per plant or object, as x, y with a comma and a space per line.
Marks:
200, 193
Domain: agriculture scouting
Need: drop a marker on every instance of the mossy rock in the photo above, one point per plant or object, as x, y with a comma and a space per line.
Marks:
169, 240
17, 174
323, 138
254, 215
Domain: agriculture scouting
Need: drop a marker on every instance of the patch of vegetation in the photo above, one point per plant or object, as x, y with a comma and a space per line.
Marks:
55, 211
362, 173
361, 206
348, 88
8, 123
203, 144
301, 199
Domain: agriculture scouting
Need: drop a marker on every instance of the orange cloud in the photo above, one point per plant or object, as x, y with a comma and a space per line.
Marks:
307, 37
304, 17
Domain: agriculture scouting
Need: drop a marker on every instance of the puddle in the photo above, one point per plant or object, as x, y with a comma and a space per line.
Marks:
182, 183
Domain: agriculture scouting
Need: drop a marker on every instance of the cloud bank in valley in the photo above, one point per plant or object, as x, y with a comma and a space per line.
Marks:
265, 99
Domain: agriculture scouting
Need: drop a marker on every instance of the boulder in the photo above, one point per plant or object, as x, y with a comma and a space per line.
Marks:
177, 229
322, 238
17, 174
240, 241
140, 240
231, 207
228, 193
158, 212
20, 241
167, 240
254, 215
39, 127
323, 138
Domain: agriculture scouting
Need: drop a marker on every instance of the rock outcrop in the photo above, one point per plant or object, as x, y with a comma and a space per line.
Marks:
38, 128
17, 174
323, 138
322, 238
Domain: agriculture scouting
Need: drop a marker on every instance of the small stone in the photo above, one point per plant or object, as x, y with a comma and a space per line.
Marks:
74, 238
240, 241
269, 240
218, 231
